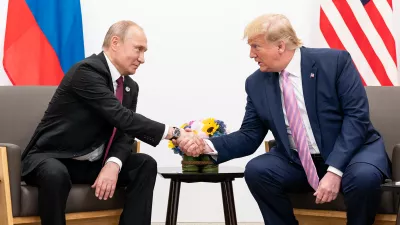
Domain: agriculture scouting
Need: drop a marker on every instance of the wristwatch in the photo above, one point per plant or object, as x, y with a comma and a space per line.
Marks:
176, 133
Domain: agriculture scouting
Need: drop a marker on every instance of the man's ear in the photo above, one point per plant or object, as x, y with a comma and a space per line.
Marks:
115, 40
281, 47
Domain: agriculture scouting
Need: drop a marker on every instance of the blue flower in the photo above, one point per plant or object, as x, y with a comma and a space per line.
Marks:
222, 126
217, 134
177, 150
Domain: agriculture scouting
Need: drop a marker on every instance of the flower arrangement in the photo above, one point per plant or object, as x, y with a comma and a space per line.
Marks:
206, 129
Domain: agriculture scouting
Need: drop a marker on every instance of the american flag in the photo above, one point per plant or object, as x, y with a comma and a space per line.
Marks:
365, 29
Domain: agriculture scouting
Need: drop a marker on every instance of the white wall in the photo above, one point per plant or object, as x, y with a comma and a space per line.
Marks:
195, 67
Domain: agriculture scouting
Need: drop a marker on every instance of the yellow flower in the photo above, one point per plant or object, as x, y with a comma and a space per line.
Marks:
171, 145
210, 126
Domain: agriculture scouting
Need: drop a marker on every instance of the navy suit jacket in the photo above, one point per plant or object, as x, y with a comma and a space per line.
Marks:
337, 107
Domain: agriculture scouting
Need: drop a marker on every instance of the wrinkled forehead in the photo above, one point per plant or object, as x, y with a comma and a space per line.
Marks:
136, 37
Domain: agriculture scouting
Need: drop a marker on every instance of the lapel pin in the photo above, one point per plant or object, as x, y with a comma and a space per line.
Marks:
312, 75
127, 89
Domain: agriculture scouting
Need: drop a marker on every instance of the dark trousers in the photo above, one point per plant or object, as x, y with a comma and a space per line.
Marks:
270, 177
54, 178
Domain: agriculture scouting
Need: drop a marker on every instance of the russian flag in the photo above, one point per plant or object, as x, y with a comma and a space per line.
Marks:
43, 39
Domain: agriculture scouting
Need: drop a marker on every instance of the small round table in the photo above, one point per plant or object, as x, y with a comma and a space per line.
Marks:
225, 176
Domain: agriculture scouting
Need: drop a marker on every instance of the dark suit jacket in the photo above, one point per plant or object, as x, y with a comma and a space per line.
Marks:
337, 107
82, 113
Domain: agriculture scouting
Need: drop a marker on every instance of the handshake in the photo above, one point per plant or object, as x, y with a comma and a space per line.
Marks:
193, 138
191, 144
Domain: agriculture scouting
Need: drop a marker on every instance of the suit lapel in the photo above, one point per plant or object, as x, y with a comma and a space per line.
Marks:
273, 93
309, 74
110, 82
127, 97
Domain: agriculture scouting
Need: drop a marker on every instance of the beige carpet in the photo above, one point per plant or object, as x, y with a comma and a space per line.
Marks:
208, 223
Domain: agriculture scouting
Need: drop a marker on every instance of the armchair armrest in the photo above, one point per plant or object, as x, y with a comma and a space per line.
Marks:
396, 163
136, 146
269, 144
14, 172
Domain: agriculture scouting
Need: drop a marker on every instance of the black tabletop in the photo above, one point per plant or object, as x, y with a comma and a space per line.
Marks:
391, 186
224, 173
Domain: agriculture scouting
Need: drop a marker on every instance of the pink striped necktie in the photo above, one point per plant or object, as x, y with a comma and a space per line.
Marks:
119, 94
298, 130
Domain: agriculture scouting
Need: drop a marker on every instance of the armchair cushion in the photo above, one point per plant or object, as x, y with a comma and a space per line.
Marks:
307, 201
396, 171
81, 199
396, 163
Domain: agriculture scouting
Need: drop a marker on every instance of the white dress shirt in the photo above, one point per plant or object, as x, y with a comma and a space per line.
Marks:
97, 153
294, 70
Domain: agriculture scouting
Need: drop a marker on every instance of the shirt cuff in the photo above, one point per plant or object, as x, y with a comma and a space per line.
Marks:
335, 171
165, 131
211, 146
115, 160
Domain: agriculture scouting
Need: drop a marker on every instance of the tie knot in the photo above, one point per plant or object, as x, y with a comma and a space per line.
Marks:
119, 81
285, 73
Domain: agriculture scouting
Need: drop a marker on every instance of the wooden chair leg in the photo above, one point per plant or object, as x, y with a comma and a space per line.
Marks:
6, 217
398, 214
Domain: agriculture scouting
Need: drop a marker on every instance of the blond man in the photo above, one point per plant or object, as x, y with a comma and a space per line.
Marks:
314, 103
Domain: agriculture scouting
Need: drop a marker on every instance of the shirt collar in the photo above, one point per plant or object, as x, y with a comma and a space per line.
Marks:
294, 64
113, 70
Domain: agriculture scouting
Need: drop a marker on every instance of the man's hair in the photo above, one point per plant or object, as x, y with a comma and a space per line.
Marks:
118, 29
275, 28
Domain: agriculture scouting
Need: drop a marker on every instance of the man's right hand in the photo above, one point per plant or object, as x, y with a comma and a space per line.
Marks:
106, 181
190, 143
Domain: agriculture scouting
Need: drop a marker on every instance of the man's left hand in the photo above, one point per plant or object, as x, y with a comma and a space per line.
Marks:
328, 188
106, 181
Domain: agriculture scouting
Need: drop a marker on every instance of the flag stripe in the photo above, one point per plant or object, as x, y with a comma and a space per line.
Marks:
365, 29
43, 39
61, 23
382, 29
386, 13
348, 41
28, 68
374, 39
332, 39
390, 3
362, 40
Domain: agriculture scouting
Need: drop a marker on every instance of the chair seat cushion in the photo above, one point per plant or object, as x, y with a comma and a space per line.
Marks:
307, 201
81, 199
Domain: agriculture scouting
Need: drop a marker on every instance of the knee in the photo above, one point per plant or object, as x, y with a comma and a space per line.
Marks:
363, 179
55, 175
149, 164
255, 172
